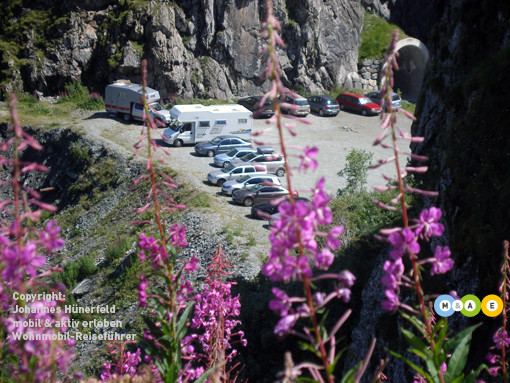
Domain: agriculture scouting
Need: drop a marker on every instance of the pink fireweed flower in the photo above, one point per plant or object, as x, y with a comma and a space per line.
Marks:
501, 339
403, 241
392, 301
324, 259
308, 160
282, 303
428, 224
285, 324
441, 263
192, 264
50, 236
20, 262
142, 294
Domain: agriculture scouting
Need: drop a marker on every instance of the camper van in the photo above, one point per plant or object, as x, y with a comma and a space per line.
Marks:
199, 123
125, 98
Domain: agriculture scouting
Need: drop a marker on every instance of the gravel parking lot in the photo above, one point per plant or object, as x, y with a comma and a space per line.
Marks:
334, 136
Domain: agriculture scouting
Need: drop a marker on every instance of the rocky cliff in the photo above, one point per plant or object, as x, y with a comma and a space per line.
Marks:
198, 48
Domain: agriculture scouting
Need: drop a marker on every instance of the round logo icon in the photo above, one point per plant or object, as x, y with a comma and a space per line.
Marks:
471, 304
492, 305
443, 305
457, 305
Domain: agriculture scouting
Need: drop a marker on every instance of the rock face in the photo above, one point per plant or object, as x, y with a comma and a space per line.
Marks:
198, 48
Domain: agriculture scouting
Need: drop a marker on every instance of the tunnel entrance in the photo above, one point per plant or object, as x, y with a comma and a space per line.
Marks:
412, 60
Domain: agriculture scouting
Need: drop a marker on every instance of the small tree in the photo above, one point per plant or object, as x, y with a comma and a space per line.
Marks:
355, 171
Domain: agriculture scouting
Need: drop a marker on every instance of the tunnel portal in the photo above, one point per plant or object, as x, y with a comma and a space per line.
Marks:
412, 60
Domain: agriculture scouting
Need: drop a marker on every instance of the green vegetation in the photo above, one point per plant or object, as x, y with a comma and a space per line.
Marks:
117, 249
76, 271
375, 37
76, 94
355, 171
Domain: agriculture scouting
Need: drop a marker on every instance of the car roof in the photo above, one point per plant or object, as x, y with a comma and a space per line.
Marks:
353, 94
324, 97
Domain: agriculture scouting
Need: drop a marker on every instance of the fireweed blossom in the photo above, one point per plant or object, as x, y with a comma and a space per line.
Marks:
498, 353
405, 240
24, 248
302, 238
407, 252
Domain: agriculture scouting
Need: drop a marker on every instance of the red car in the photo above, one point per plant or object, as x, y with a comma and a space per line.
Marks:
358, 103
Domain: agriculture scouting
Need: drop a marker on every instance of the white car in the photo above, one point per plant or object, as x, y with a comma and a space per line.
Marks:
244, 182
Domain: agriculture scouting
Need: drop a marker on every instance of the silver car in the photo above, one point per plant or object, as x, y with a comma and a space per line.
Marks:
225, 159
247, 181
219, 177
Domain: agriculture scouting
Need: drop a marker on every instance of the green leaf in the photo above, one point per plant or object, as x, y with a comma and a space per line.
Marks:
204, 376
458, 359
414, 367
420, 326
351, 374
308, 347
181, 326
471, 378
306, 380
414, 341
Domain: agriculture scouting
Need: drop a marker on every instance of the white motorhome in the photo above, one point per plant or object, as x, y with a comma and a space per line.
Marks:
125, 98
198, 123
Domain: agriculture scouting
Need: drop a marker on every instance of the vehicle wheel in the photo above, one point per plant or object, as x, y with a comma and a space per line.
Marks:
248, 202
321, 112
364, 112
127, 117
178, 143
226, 164
210, 153
280, 172
221, 182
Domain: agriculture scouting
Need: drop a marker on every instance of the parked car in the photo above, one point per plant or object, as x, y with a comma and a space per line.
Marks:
275, 163
302, 105
246, 182
220, 144
251, 103
225, 159
324, 105
258, 194
357, 103
219, 177
265, 210
377, 97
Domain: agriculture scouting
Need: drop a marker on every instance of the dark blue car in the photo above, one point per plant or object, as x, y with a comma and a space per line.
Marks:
324, 105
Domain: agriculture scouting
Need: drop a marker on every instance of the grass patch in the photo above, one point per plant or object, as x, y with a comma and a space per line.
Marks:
76, 271
376, 36
76, 94
117, 249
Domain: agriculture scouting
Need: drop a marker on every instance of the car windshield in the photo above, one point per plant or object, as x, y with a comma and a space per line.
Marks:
365, 100
248, 157
301, 102
156, 106
216, 140
395, 97
242, 179
176, 125
257, 187
331, 102
231, 153
228, 168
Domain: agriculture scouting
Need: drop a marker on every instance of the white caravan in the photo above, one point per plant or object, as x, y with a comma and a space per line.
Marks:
126, 98
198, 123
